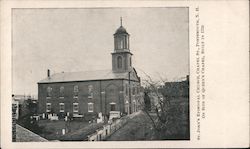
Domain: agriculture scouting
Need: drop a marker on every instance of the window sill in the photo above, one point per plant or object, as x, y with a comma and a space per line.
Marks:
48, 97
61, 97
76, 115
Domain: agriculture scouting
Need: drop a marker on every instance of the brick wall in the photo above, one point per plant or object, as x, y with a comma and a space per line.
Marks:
104, 93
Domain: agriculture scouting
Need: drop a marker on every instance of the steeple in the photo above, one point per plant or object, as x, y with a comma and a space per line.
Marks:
121, 57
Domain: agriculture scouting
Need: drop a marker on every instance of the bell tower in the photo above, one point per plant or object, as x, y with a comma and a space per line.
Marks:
121, 57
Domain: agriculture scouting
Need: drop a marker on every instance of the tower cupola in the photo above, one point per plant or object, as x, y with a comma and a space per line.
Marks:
121, 38
121, 57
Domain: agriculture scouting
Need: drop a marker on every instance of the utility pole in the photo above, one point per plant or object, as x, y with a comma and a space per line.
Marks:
129, 93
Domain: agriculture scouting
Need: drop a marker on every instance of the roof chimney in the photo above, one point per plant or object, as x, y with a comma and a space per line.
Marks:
48, 73
187, 78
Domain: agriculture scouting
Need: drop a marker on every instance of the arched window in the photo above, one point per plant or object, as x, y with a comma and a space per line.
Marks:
121, 44
127, 107
61, 91
111, 91
126, 89
130, 61
48, 107
119, 62
90, 88
49, 90
76, 90
134, 106
133, 90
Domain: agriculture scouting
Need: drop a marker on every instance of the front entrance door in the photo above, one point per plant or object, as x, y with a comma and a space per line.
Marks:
112, 107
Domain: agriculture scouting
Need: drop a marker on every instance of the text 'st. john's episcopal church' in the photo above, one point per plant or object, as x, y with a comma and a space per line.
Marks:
83, 94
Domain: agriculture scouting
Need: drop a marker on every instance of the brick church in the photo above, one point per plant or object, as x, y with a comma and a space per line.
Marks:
80, 94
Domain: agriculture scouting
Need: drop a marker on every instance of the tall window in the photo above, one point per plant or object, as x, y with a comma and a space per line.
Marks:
134, 106
61, 107
112, 91
126, 89
48, 107
75, 107
119, 62
90, 88
133, 90
76, 90
127, 106
90, 107
125, 42
121, 45
118, 43
61, 91
49, 91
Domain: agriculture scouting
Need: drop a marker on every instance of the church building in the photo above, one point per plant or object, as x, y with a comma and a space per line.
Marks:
85, 94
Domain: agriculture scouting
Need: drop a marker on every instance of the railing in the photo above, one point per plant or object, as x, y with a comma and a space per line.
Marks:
107, 130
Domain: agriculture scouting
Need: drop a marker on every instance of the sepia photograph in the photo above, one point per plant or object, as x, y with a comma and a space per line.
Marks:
124, 74
100, 74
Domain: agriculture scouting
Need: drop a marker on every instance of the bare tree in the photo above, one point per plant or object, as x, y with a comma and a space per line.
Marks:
163, 115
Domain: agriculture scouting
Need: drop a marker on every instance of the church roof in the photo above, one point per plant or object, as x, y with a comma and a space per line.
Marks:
121, 30
85, 76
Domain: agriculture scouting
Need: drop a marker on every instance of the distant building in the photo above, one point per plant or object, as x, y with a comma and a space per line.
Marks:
177, 89
26, 104
15, 108
15, 114
80, 94
177, 93
20, 98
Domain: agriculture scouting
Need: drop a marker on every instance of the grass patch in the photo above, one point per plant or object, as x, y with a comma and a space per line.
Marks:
53, 129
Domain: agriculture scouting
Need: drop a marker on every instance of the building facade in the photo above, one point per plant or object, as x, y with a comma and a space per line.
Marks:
81, 94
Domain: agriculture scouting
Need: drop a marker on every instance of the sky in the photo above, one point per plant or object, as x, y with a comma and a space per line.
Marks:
73, 40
